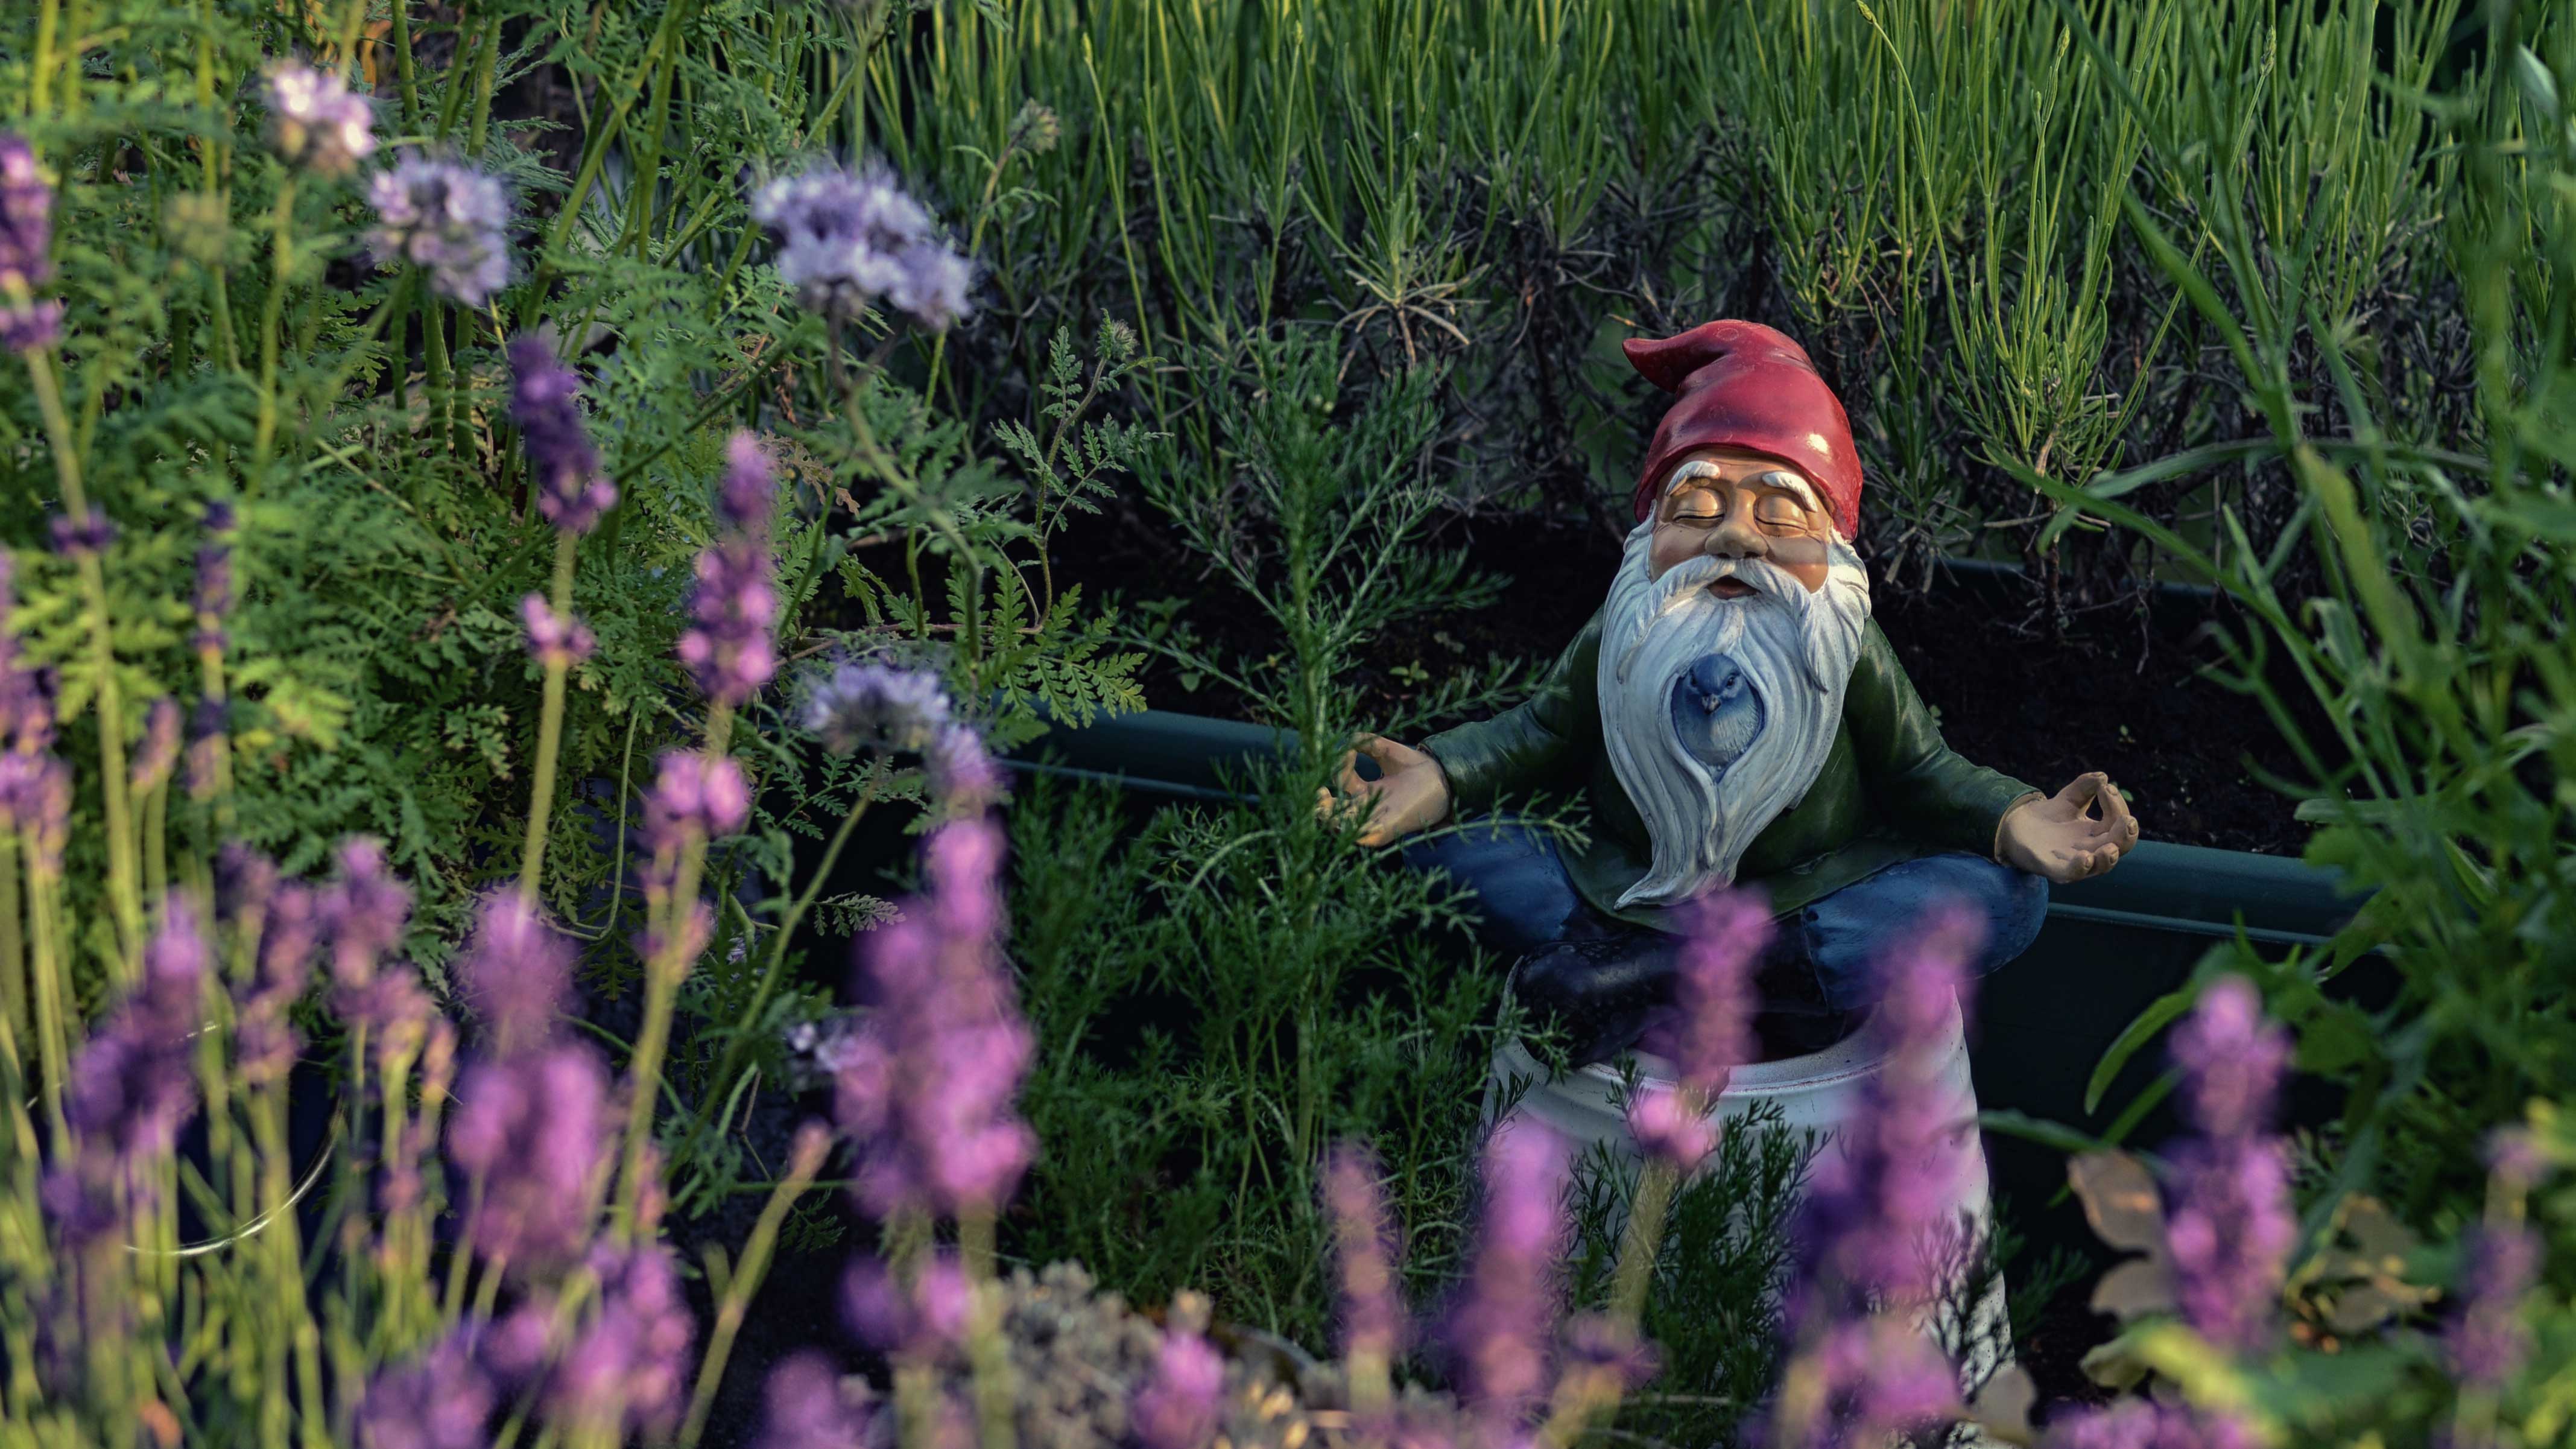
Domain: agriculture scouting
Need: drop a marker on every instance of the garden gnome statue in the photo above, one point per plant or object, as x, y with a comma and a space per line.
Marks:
1736, 719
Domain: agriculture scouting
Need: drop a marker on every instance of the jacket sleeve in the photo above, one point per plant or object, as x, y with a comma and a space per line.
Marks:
1928, 790
1545, 742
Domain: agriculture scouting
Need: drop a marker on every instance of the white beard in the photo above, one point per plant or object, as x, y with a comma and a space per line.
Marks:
1796, 649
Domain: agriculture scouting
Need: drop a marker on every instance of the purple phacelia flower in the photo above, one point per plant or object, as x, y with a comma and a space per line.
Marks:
545, 401
517, 973
1667, 1129
2231, 1059
206, 746
1864, 1381
876, 707
158, 751
963, 776
1881, 1216
82, 537
447, 219
734, 606
627, 1369
316, 124
556, 641
1373, 1317
362, 913
1710, 1030
847, 240
1500, 1331
927, 1079
443, 1401
924, 1321
533, 1131
2488, 1343
1177, 1408
812, 1405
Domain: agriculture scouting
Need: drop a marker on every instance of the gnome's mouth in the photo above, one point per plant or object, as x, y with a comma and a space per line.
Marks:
1731, 587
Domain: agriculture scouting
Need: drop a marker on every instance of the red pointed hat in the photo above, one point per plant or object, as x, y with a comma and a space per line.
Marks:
1744, 385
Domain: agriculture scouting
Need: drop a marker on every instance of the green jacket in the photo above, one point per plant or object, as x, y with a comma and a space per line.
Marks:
1890, 791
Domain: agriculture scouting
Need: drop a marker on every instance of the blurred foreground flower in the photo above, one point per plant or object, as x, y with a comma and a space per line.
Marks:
316, 123
26, 247
1500, 1331
734, 606
847, 240
447, 219
2229, 1224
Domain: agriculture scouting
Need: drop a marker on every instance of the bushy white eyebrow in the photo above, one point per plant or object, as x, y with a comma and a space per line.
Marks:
1775, 478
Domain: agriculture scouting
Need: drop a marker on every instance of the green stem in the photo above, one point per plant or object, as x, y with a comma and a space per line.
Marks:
124, 898
13, 948
52, 1039
1640, 1244
541, 798
403, 67
483, 64
746, 1281
282, 225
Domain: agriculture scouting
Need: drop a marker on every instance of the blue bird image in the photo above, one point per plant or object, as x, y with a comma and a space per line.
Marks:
1717, 713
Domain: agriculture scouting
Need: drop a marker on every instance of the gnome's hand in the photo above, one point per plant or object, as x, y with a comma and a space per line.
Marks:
2061, 838
1409, 794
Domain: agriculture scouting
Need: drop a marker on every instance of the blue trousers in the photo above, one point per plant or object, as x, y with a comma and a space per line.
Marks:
1603, 977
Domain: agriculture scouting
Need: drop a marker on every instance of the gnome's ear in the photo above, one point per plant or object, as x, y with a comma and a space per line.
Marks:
1668, 362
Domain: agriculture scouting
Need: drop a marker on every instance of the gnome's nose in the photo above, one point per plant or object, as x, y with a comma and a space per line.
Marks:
1716, 682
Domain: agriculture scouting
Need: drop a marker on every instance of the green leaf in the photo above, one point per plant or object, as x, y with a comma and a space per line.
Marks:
2160, 1013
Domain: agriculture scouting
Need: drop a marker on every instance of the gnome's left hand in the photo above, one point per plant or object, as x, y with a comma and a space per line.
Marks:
2059, 836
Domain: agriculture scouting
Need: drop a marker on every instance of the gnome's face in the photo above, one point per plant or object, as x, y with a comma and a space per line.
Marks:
1728, 641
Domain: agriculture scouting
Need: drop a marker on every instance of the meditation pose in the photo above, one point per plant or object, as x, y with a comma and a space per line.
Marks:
1736, 719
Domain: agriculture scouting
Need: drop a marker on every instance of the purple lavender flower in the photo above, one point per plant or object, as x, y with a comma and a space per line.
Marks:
26, 244
1373, 1318
517, 973
875, 707
1710, 1031
444, 1401
1177, 1407
26, 217
266, 1042
545, 401
316, 124
2228, 1226
158, 750
446, 218
206, 746
534, 1130
2489, 1342
133, 1083
2145, 1424
214, 590
628, 1368
1595, 1344
1864, 1382
82, 537
1877, 1210
24, 329
811, 1405
1500, 1332
556, 641
39, 789
1668, 1130
693, 796
848, 240
2515, 1154
362, 914
2232, 1060
922, 1322
927, 1078
734, 606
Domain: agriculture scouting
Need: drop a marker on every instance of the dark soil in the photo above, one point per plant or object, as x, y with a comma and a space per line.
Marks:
2116, 690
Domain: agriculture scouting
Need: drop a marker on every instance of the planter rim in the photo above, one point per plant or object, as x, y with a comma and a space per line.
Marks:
2187, 889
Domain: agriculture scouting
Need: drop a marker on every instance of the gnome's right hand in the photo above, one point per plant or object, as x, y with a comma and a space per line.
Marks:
1410, 793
